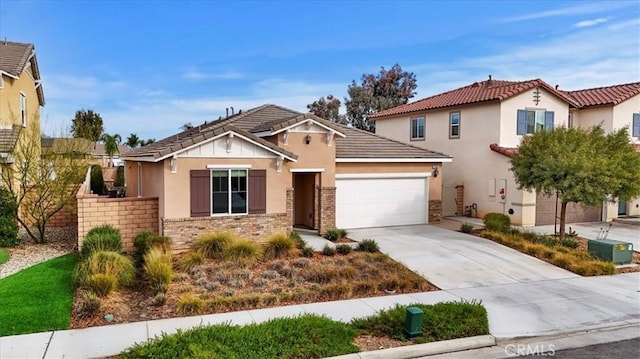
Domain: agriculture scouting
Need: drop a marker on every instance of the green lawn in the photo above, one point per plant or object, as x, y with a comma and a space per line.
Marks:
38, 298
4, 255
311, 336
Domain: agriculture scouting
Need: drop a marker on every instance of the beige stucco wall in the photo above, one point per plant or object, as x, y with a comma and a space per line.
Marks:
10, 99
594, 116
315, 155
623, 115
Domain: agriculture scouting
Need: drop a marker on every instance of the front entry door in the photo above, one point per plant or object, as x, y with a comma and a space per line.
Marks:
303, 200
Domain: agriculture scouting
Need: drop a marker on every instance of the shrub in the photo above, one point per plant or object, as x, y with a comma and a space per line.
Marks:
301, 262
368, 245
141, 244
242, 250
102, 238
159, 299
97, 181
279, 245
329, 250
332, 234
191, 260
8, 204
269, 274
211, 245
344, 249
308, 251
119, 182
497, 222
190, 304
466, 227
8, 232
159, 270
111, 264
89, 305
101, 284
569, 243
594, 267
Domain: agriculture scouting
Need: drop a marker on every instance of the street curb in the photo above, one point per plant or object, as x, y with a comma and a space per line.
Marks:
419, 350
568, 333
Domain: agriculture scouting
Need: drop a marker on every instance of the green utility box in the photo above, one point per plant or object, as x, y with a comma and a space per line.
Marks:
413, 322
611, 251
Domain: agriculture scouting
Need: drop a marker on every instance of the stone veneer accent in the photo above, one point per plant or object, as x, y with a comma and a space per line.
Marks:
130, 215
183, 231
460, 200
327, 207
435, 211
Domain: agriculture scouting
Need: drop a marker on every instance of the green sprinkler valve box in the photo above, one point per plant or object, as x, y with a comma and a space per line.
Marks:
611, 251
413, 323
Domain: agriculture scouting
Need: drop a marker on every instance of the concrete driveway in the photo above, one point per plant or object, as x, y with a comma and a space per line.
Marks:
617, 231
454, 260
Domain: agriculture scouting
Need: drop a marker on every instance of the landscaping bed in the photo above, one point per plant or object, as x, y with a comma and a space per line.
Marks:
312, 336
247, 275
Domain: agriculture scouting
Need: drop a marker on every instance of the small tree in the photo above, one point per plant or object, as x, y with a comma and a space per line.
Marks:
44, 181
111, 143
326, 108
8, 212
387, 89
87, 124
97, 181
578, 165
133, 141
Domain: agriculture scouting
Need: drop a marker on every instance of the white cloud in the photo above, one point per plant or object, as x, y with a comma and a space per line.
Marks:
196, 75
593, 22
583, 9
629, 23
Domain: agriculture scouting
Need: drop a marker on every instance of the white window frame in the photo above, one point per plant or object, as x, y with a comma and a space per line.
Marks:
424, 128
229, 191
23, 109
570, 120
451, 125
536, 119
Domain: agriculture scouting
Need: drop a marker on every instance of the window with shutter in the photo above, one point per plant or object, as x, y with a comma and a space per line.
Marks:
200, 192
257, 191
635, 132
532, 121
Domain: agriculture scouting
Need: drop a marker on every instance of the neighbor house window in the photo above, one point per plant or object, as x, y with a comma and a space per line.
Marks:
454, 125
229, 191
23, 109
534, 120
635, 126
570, 120
417, 128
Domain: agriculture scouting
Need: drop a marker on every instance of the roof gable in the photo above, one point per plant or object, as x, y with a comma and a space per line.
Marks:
478, 92
14, 57
609, 95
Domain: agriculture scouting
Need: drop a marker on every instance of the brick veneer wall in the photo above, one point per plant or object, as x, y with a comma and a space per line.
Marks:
460, 200
327, 209
252, 226
66, 217
130, 215
184, 231
435, 211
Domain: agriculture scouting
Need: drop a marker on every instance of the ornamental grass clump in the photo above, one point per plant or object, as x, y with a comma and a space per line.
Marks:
211, 245
158, 268
242, 250
278, 246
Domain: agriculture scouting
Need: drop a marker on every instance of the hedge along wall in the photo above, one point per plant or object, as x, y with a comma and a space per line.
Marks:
130, 215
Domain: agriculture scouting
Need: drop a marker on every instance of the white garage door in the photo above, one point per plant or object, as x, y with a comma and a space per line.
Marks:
363, 202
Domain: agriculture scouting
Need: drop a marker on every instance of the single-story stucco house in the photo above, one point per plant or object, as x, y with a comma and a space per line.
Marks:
270, 169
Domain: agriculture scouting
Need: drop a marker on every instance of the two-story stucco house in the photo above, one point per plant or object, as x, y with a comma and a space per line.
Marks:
21, 96
481, 126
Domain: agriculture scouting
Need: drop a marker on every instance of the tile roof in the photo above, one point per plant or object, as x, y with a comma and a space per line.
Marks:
364, 144
358, 144
98, 149
506, 151
14, 56
489, 90
610, 95
9, 138
66, 144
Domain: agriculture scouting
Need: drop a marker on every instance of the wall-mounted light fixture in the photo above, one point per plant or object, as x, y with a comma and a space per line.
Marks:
435, 171
307, 139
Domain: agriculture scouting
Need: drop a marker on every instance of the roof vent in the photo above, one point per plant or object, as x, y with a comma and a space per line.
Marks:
557, 86
475, 84
490, 78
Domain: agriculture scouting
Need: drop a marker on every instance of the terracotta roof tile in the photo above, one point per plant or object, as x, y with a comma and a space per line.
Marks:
506, 151
610, 95
489, 90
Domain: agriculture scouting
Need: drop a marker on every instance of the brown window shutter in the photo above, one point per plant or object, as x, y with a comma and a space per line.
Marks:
257, 191
200, 190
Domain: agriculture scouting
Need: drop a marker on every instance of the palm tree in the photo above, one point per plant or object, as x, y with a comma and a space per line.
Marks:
133, 141
111, 143
147, 142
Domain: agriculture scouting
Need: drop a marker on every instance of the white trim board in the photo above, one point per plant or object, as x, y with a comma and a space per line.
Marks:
228, 167
383, 175
299, 170
392, 160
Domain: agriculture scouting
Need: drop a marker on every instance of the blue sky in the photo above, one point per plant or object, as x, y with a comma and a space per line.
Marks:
150, 66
